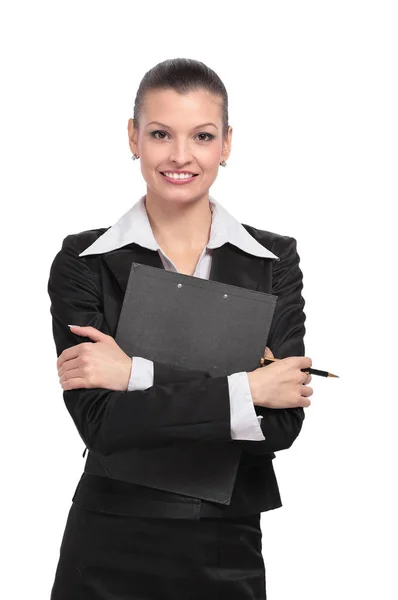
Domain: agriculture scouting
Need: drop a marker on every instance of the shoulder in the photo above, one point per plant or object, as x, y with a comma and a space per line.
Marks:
281, 245
77, 242
67, 260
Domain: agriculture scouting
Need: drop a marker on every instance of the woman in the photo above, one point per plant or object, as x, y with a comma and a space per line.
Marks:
124, 540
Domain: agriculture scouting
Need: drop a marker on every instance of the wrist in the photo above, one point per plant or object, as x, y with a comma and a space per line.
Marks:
253, 383
129, 369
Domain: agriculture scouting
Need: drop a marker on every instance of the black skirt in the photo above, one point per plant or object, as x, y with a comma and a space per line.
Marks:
113, 557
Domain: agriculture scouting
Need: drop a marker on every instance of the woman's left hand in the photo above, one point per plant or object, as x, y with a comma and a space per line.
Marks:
99, 365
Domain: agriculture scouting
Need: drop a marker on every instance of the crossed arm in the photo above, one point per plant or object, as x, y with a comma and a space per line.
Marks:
181, 405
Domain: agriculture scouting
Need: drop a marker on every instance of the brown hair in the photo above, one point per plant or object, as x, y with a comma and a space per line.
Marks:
182, 75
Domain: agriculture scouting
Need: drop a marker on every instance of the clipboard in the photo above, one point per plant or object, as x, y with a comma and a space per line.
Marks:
191, 323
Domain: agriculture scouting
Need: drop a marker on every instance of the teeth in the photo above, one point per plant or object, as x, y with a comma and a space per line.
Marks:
179, 175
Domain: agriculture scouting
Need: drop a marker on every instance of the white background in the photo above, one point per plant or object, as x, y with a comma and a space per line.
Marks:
313, 104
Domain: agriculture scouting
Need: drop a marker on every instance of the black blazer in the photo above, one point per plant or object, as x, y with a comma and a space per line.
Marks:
89, 290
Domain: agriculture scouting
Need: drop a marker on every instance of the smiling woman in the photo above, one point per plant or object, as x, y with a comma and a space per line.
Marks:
124, 540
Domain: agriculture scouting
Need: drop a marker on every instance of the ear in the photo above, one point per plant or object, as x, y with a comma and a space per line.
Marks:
227, 145
133, 136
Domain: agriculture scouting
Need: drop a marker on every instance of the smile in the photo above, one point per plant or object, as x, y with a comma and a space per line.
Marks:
178, 178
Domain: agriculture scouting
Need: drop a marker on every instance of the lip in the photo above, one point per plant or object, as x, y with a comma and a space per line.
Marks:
179, 171
179, 181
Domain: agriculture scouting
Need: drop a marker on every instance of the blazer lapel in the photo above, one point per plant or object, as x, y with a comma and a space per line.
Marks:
233, 266
119, 262
230, 265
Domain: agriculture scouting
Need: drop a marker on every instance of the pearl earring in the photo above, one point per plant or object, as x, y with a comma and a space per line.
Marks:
134, 157
223, 163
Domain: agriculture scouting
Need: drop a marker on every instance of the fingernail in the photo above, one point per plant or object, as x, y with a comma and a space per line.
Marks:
73, 325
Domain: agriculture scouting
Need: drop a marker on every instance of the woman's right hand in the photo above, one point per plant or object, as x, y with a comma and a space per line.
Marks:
281, 384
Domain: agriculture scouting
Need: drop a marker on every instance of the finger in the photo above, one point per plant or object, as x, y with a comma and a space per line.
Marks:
72, 352
74, 384
88, 331
305, 362
71, 374
306, 391
68, 365
268, 353
305, 402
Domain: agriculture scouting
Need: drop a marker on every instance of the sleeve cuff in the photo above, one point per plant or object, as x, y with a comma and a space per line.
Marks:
141, 376
245, 424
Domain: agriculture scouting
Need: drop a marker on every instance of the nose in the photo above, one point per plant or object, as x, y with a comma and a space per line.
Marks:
180, 152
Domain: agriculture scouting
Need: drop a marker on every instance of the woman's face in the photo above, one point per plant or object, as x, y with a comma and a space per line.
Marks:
180, 132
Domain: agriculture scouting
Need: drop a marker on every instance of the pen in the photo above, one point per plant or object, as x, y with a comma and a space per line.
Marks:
308, 370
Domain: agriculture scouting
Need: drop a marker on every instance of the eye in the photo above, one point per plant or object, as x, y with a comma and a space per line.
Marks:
157, 133
210, 137
153, 134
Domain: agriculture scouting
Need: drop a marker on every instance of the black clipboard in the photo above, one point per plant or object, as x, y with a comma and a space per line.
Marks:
191, 323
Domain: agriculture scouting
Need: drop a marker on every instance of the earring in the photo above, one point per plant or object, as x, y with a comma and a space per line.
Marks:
223, 163
134, 157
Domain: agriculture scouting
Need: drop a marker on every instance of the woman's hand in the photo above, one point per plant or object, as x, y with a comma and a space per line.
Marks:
99, 365
281, 384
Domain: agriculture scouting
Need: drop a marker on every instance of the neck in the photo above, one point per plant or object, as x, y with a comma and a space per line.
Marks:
180, 226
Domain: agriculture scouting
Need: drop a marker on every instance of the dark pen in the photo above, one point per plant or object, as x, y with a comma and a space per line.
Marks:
264, 361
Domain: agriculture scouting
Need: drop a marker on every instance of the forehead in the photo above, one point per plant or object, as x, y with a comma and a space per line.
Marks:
169, 105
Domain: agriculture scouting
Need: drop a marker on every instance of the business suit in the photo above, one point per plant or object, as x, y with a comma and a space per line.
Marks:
89, 291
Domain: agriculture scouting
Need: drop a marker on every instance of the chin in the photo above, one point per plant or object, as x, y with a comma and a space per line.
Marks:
179, 196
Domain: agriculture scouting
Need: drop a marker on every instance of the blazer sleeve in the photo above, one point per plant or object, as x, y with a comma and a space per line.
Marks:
166, 373
194, 407
286, 338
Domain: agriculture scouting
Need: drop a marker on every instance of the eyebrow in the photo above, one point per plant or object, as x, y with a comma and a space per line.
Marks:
168, 127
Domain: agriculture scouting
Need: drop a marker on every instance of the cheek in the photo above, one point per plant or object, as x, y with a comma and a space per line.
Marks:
209, 157
151, 154
213, 161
